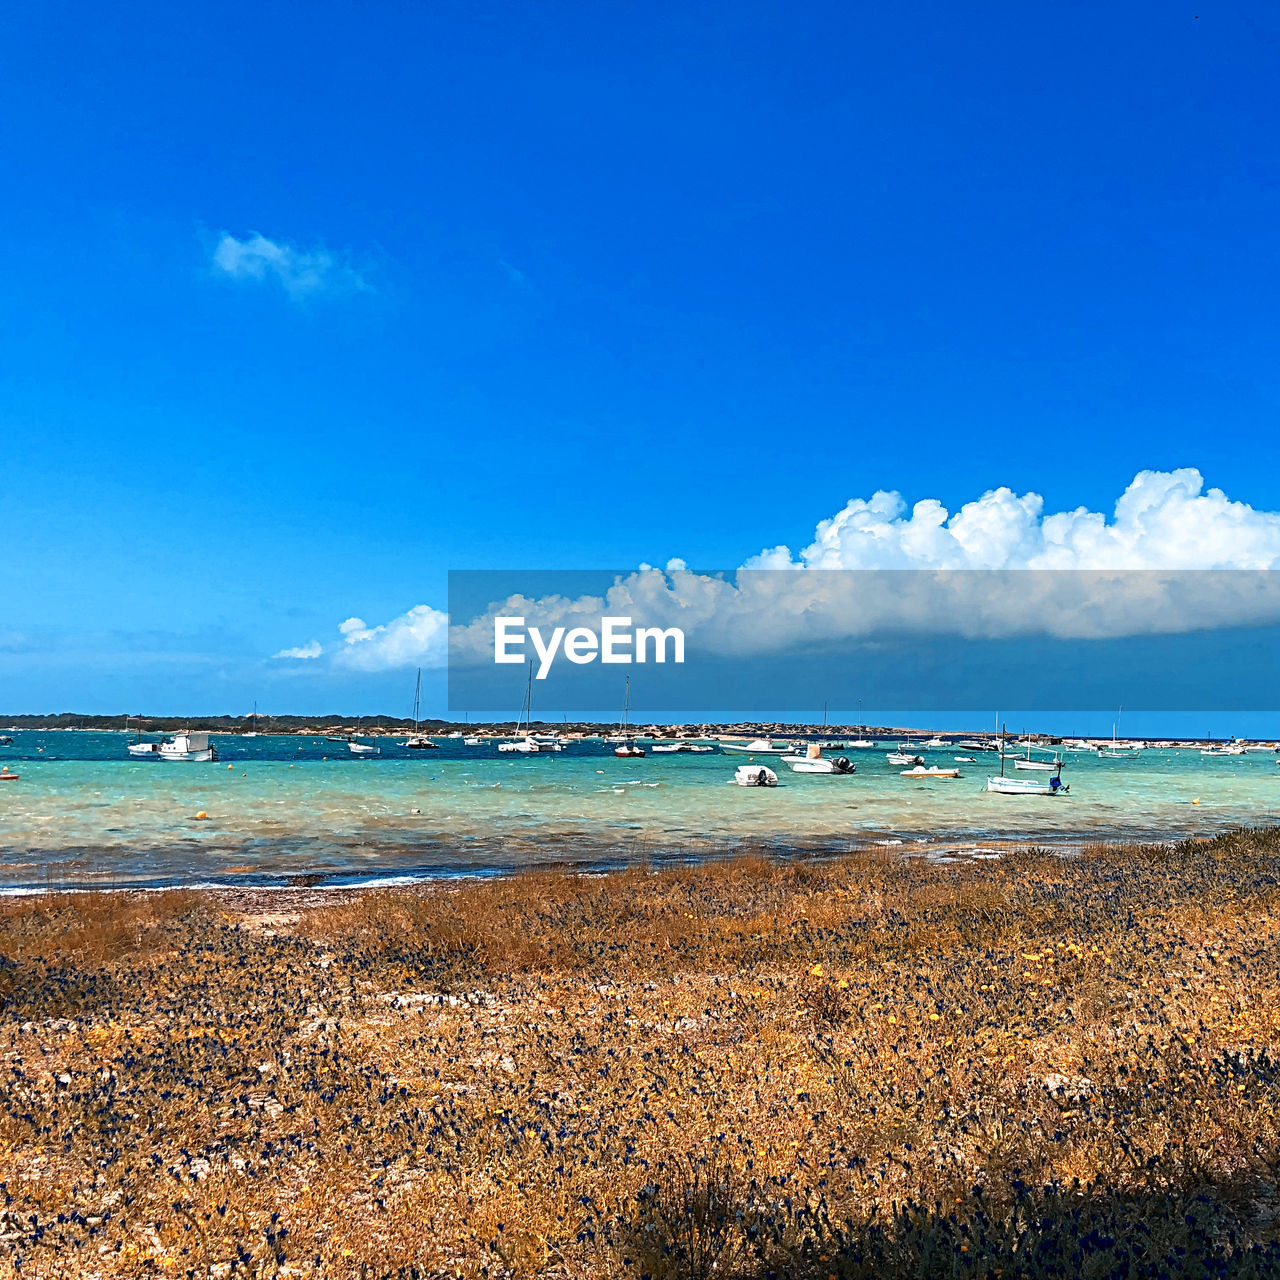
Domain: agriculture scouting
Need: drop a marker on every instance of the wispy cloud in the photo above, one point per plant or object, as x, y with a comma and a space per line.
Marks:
302, 273
303, 652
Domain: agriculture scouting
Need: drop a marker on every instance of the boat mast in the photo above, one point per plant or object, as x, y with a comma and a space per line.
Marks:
417, 699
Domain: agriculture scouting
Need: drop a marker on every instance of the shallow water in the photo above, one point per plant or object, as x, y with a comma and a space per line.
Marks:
85, 813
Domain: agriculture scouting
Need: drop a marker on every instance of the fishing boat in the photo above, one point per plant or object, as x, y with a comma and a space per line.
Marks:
188, 746
813, 761
755, 775
417, 741
523, 743
628, 748
933, 771
759, 747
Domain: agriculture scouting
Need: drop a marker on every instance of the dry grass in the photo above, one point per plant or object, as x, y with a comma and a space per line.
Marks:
865, 1067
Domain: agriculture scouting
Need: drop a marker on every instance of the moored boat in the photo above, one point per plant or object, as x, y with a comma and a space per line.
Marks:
755, 775
188, 746
933, 771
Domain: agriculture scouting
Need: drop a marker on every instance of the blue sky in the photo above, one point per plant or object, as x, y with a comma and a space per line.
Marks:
581, 285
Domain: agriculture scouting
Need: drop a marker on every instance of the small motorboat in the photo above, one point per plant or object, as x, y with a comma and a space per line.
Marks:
759, 747
525, 746
755, 775
936, 742
6, 776
964, 760
363, 748
188, 746
629, 750
834, 764
471, 742
901, 757
933, 771
813, 761
419, 742
5, 740
679, 748
146, 750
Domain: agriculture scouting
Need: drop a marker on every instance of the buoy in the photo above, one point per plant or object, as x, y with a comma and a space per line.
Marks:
230, 766
1196, 800
201, 816
291, 766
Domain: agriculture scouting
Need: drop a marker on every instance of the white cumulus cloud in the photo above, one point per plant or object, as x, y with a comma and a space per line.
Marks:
1164, 523
300, 272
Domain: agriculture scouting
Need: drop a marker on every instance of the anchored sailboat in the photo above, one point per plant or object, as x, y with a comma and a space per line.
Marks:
628, 748
419, 741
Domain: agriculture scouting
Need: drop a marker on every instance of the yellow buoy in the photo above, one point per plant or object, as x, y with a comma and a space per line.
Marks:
201, 816
230, 766
1196, 800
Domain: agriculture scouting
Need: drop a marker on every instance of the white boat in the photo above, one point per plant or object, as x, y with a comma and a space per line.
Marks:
471, 742
418, 741
146, 750
681, 748
523, 744
252, 732
548, 741
1026, 786
628, 748
901, 757
964, 760
363, 749
755, 775
188, 746
1115, 751
813, 761
862, 744
759, 747
933, 771
936, 743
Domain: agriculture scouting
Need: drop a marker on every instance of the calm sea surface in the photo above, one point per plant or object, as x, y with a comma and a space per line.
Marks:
294, 810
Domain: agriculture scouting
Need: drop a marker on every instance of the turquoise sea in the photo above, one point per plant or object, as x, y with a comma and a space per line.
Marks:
301, 810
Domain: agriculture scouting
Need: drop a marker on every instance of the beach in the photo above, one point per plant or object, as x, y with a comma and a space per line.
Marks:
1048, 1063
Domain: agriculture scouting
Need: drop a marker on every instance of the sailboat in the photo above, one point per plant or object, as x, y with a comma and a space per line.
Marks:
1026, 762
862, 742
418, 741
361, 748
147, 750
830, 745
253, 732
1026, 786
628, 748
1115, 751
523, 743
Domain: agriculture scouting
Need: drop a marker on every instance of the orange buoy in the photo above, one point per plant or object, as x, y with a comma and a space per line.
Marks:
201, 816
